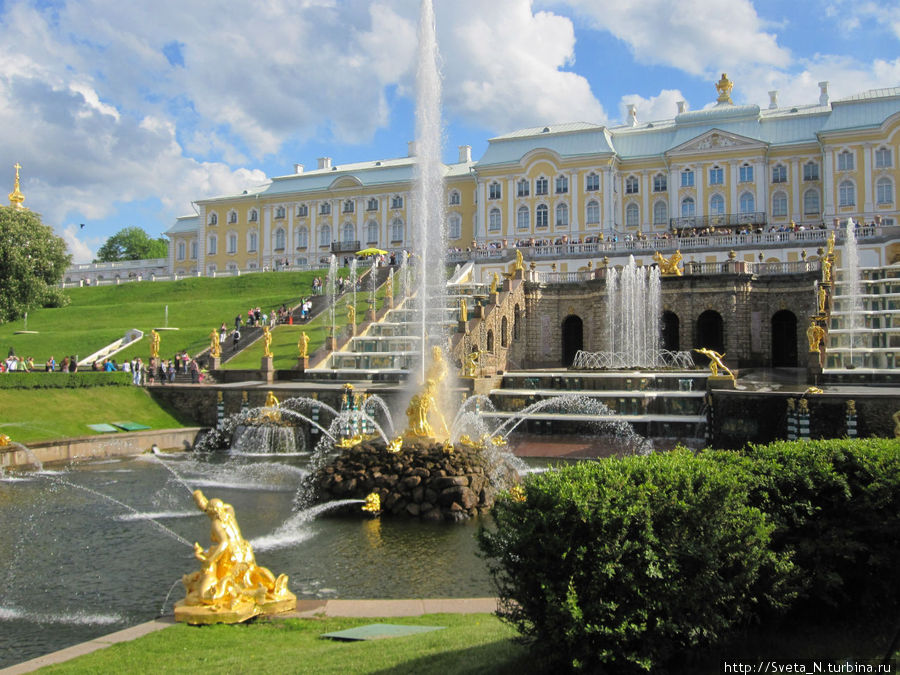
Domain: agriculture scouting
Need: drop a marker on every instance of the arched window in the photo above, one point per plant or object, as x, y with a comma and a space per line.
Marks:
747, 203
349, 206
454, 198
213, 219
779, 204
562, 215
688, 208
454, 226
716, 205
811, 202
302, 211
397, 231
252, 241
348, 233
495, 220
845, 161
846, 194
371, 232
884, 189
490, 341
279, 239
632, 215
542, 216
212, 244
562, 185
232, 243
522, 188
302, 237
194, 249
592, 212
181, 250
516, 317
632, 185
523, 218
325, 209
325, 235
279, 212
372, 204
396, 202
254, 216
232, 217
540, 186
660, 212
504, 329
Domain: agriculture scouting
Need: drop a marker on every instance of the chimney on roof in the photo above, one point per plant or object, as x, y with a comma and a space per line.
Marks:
410, 148
823, 93
632, 115
324, 163
298, 168
465, 153
682, 106
773, 98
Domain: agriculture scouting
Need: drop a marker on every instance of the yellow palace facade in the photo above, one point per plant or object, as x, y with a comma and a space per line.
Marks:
732, 168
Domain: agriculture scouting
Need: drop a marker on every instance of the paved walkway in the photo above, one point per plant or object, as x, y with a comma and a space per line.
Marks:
305, 609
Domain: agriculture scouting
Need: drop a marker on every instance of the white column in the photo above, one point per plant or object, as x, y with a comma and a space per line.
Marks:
828, 185
672, 186
699, 177
796, 189
867, 181
290, 244
609, 198
734, 176
481, 211
761, 176
574, 219
509, 228
360, 221
201, 243
313, 230
267, 234
384, 226
646, 216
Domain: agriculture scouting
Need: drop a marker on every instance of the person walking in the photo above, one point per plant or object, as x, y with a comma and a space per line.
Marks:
235, 339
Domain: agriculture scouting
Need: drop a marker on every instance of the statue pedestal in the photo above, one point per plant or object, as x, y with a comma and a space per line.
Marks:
495, 297
370, 315
389, 301
720, 382
302, 363
351, 329
331, 343
814, 362
215, 362
267, 366
462, 327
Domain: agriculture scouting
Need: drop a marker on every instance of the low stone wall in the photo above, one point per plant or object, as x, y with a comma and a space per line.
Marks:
419, 481
111, 445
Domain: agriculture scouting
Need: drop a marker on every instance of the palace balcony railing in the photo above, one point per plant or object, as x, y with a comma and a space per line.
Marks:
717, 220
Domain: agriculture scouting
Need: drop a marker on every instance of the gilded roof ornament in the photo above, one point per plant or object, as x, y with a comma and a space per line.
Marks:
16, 197
724, 87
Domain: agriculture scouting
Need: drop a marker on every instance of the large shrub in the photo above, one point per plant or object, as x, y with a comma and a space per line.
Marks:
42, 380
835, 505
615, 566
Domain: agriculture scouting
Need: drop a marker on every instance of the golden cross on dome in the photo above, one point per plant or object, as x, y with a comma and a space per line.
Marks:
16, 197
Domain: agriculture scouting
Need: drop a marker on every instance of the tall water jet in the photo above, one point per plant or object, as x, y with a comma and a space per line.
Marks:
330, 291
633, 309
429, 238
851, 292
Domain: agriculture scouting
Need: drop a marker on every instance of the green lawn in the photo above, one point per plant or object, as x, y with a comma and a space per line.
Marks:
100, 315
470, 643
30, 415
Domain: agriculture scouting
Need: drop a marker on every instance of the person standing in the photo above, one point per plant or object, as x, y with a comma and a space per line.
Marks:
235, 339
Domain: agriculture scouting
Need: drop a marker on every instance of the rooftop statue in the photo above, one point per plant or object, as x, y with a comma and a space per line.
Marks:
724, 87
229, 587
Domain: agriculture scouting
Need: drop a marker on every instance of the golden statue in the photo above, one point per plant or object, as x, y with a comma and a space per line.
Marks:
826, 270
471, 365
830, 252
303, 345
373, 504
16, 197
495, 282
724, 87
851, 407
668, 267
351, 315
267, 342
463, 310
823, 296
518, 265
715, 362
395, 445
420, 406
215, 349
813, 390
154, 344
271, 401
4, 440
815, 334
229, 587
803, 406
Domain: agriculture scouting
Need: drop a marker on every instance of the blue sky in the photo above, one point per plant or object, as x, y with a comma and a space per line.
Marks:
123, 113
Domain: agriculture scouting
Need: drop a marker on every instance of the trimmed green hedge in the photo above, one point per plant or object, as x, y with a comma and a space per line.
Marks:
41, 380
629, 563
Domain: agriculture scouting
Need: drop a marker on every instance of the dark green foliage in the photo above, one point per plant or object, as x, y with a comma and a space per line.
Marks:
835, 505
615, 566
40, 380
132, 243
32, 261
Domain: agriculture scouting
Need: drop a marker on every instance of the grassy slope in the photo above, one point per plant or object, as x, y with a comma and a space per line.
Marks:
98, 316
44, 414
470, 643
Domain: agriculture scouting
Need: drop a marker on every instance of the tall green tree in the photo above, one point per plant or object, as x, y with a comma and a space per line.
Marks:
33, 261
132, 243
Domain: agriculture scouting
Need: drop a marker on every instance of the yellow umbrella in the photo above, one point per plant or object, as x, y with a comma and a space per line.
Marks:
371, 251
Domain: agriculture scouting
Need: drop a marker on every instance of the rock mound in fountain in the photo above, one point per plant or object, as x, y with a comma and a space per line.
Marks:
421, 480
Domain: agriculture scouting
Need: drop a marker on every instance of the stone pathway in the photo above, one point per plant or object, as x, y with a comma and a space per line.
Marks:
305, 609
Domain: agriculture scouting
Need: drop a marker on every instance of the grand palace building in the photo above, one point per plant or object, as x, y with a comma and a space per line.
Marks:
727, 170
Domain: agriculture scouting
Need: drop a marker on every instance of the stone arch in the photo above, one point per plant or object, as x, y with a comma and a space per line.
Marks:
671, 326
572, 338
517, 314
784, 339
489, 342
504, 332
711, 331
